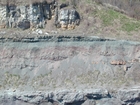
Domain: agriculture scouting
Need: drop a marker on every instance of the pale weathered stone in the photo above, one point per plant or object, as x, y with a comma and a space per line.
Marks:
36, 16
68, 18
15, 16
117, 62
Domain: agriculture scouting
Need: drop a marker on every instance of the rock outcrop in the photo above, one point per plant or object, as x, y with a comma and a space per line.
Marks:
67, 97
38, 71
68, 19
35, 15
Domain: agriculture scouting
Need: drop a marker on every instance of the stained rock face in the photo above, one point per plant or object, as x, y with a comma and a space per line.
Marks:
68, 19
36, 15
33, 15
3, 19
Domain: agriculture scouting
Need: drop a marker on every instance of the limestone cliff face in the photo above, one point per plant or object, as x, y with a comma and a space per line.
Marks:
35, 15
71, 64
25, 16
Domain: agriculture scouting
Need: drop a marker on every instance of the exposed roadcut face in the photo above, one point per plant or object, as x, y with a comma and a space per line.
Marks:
69, 71
72, 65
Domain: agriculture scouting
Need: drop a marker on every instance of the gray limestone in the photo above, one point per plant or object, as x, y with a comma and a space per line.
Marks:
35, 15
70, 97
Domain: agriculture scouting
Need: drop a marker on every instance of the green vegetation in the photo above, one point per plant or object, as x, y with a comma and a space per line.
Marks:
127, 24
89, 1
63, 1
12, 80
108, 16
131, 26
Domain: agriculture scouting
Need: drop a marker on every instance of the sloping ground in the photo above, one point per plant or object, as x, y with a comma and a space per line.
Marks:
96, 19
40, 69
103, 20
106, 22
131, 7
69, 63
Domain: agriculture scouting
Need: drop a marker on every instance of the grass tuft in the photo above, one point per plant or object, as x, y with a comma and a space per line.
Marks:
131, 26
108, 16
126, 24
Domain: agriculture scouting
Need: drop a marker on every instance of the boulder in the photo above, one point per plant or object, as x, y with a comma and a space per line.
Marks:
117, 62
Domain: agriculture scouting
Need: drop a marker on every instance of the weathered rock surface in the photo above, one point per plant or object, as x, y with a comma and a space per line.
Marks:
35, 15
67, 97
68, 70
68, 19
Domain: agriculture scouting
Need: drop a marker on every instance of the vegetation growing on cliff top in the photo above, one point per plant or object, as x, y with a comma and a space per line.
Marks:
109, 16
107, 21
98, 19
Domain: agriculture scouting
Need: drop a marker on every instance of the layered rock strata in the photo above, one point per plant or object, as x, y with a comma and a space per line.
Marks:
67, 97
69, 71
